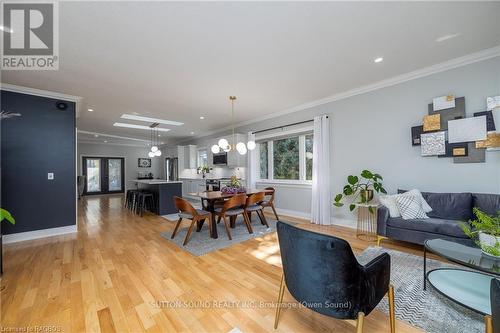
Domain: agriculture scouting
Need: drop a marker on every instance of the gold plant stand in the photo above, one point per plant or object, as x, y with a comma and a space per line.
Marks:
367, 221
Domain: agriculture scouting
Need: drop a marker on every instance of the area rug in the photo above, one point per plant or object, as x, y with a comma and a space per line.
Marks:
200, 243
428, 309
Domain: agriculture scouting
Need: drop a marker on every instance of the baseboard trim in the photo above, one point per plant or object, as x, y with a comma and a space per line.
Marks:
348, 223
30, 235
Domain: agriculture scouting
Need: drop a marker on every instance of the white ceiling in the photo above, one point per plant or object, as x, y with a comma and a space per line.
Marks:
181, 60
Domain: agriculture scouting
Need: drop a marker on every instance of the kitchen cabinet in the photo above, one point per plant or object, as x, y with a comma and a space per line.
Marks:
187, 157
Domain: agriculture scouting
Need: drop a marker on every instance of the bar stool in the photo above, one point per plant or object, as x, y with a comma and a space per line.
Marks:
145, 200
129, 199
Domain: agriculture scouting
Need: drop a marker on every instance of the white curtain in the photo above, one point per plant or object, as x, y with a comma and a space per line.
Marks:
251, 164
321, 201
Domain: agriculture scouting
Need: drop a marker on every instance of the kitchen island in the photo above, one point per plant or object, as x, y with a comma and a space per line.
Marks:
164, 192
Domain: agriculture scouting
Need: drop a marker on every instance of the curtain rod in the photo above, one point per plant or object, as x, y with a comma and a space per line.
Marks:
278, 127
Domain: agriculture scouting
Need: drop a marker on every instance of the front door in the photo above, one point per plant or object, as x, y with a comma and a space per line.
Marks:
103, 175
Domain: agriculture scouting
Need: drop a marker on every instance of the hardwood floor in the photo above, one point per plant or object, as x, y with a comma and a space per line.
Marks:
117, 274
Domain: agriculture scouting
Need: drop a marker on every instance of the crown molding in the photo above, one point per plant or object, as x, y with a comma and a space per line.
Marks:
44, 93
419, 73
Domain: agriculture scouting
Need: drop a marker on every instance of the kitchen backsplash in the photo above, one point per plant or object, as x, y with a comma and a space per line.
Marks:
216, 172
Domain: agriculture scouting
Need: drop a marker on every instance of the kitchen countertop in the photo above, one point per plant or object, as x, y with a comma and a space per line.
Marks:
155, 181
224, 178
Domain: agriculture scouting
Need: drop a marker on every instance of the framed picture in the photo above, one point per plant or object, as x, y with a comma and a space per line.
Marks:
144, 163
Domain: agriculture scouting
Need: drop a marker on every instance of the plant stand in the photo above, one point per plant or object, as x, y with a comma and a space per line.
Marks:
367, 221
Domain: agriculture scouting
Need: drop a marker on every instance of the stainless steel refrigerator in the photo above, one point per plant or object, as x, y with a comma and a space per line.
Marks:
171, 168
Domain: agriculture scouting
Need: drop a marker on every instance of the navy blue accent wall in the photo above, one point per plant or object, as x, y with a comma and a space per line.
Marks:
42, 140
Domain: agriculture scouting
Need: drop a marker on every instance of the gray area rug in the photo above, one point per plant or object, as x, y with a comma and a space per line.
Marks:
427, 310
200, 243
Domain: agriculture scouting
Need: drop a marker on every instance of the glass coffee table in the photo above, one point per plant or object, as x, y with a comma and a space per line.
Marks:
470, 289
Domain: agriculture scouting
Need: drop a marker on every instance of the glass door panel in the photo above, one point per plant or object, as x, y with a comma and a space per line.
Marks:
115, 175
93, 172
103, 174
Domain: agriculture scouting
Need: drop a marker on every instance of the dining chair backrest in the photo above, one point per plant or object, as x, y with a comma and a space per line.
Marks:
269, 191
184, 206
254, 199
235, 201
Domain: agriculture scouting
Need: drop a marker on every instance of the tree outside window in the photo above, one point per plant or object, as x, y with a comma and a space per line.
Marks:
286, 158
263, 160
309, 157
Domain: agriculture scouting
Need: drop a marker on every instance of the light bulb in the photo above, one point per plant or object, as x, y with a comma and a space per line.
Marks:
227, 149
223, 143
158, 153
215, 149
251, 145
154, 149
151, 154
241, 148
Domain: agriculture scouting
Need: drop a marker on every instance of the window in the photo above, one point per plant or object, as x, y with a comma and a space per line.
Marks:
263, 160
309, 157
288, 158
202, 158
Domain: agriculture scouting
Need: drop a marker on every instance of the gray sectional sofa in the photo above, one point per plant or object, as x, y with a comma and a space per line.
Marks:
448, 210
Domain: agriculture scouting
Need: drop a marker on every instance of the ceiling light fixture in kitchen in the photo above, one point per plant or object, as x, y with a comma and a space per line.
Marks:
155, 151
224, 144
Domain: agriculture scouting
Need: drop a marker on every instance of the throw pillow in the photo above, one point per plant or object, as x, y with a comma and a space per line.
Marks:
389, 201
410, 207
417, 193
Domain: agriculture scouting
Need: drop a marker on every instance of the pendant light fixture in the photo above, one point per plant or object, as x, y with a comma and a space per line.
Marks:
225, 145
155, 151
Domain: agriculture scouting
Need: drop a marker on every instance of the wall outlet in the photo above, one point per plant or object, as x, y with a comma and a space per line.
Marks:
50, 176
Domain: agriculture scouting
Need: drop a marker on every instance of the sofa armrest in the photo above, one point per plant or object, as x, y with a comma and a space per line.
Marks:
382, 217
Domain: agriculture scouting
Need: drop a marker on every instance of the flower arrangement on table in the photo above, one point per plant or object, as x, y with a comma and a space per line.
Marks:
234, 187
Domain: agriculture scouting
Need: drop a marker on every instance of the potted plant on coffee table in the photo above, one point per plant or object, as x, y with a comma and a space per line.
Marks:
485, 231
360, 189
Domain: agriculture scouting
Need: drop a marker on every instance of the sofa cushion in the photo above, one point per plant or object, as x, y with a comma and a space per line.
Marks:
488, 203
453, 206
430, 225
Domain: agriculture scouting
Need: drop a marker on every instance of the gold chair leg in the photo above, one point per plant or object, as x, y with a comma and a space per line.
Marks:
392, 313
488, 323
280, 300
379, 239
360, 322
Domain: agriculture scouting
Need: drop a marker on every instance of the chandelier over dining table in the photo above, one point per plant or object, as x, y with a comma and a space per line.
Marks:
228, 145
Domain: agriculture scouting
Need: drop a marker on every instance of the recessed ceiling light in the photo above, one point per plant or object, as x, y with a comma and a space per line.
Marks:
90, 110
96, 135
159, 135
446, 37
201, 117
192, 133
151, 120
6, 29
105, 141
140, 127
379, 59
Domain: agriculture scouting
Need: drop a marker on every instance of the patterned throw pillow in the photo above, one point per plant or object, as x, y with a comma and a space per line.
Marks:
410, 207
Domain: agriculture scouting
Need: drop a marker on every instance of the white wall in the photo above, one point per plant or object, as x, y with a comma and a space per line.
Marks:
131, 155
372, 131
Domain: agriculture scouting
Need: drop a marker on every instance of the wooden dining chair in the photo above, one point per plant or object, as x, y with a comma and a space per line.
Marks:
187, 211
232, 208
252, 204
269, 200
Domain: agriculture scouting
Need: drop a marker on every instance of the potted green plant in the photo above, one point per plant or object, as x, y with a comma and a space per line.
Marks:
4, 215
360, 189
204, 170
485, 231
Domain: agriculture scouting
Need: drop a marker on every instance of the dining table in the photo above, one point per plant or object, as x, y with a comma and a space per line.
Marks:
211, 197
